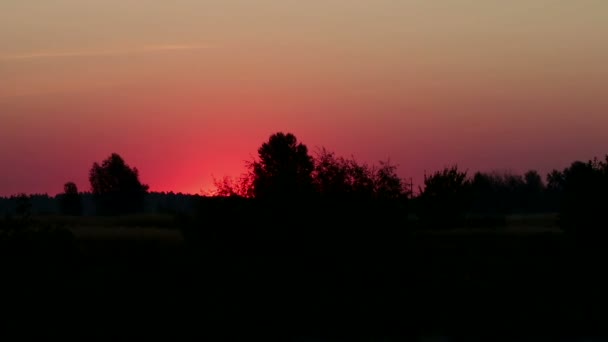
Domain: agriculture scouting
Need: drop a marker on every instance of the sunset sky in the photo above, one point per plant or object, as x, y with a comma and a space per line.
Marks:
188, 89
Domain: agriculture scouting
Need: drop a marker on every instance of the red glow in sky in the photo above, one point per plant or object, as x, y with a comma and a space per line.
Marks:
185, 91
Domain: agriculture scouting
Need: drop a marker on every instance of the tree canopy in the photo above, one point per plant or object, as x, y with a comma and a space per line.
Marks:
284, 169
583, 189
70, 201
340, 178
445, 197
116, 186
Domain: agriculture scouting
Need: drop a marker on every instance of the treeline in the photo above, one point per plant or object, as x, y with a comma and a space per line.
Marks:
85, 204
286, 174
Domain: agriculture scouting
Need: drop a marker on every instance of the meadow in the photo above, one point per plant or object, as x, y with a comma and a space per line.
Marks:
143, 273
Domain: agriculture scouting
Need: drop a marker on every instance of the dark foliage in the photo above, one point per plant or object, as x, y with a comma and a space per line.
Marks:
231, 187
583, 191
445, 199
70, 201
338, 178
116, 187
534, 193
284, 169
506, 193
23, 207
387, 184
326, 247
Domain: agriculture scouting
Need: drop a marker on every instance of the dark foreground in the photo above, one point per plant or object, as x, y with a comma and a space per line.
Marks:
247, 283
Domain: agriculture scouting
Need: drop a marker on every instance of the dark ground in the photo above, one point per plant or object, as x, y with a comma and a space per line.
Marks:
243, 284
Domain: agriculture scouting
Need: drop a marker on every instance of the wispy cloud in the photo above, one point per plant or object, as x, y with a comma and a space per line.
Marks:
95, 53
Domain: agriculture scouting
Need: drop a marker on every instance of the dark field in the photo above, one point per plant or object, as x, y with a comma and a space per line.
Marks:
139, 277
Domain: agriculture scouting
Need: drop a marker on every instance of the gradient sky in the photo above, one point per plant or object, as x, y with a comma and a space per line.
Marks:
188, 89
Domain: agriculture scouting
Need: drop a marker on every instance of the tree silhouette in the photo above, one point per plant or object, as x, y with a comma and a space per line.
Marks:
555, 181
487, 194
233, 187
116, 186
533, 181
23, 207
387, 184
70, 202
284, 169
507, 193
534, 192
514, 192
445, 197
584, 198
330, 176
361, 179
339, 178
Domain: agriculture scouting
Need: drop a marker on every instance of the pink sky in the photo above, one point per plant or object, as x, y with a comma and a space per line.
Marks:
186, 90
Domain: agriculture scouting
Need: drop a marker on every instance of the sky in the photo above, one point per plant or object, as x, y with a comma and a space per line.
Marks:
187, 90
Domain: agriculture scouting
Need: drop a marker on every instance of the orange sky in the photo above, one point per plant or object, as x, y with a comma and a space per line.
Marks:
188, 89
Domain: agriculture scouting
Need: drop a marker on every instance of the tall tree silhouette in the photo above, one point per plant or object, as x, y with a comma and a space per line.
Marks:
70, 202
284, 169
116, 186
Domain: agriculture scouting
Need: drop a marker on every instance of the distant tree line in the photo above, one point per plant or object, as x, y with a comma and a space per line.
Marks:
286, 175
44, 204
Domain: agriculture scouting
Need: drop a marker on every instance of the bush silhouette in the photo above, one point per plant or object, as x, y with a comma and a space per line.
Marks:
116, 187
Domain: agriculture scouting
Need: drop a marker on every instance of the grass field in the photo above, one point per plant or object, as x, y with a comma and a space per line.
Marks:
524, 276
155, 223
